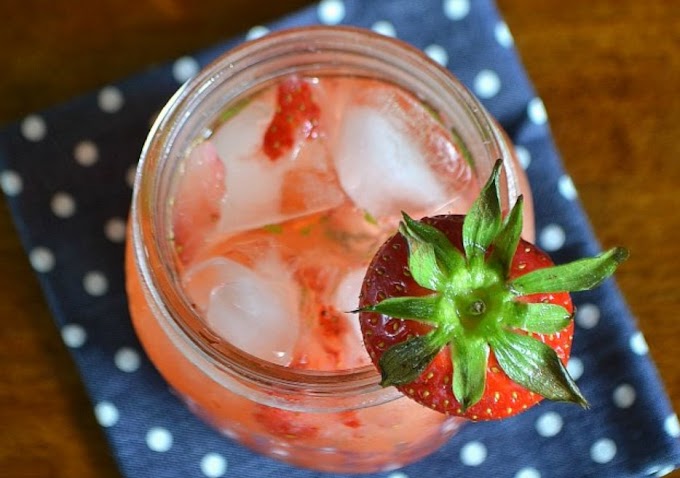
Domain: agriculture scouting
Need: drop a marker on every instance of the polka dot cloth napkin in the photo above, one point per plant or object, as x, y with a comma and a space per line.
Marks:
67, 173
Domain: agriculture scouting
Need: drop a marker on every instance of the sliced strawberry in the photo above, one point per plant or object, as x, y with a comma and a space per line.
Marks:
468, 319
296, 117
196, 207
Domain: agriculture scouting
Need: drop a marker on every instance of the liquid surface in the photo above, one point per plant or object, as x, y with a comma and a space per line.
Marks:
279, 211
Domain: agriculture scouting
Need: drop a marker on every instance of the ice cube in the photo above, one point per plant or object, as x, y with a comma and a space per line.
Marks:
255, 309
252, 182
346, 299
197, 200
310, 185
391, 154
240, 136
261, 191
199, 281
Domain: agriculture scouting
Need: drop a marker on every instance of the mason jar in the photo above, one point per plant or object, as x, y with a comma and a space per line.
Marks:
328, 420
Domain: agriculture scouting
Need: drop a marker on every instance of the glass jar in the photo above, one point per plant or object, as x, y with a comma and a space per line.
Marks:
336, 421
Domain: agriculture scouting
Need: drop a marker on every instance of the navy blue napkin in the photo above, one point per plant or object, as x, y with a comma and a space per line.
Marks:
67, 175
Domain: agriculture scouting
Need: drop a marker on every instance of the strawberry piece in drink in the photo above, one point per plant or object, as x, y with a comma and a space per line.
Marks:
296, 118
196, 208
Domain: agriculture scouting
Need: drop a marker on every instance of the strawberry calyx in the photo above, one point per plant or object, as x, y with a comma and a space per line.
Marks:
476, 309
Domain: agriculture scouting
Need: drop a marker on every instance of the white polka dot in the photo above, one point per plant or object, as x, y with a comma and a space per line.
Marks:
397, 474
130, 175
384, 28
473, 453
536, 111
587, 316
528, 473
95, 283
127, 360
438, 54
106, 413
33, 128
115, 229
575, 367
213, 465
42, 259
159, 439
660, 470
456, 9
567, 188
552, 237
63, 205
391, 466
672, 426
638, 344
603, 451
11, 182
624, 396
86, 153
523, 156
73, 335
503, 35
331, 12
185, 68
549, 424
110, 99
256, 32
487, 84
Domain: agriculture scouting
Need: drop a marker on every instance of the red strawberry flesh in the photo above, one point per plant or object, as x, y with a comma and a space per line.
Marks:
296, 118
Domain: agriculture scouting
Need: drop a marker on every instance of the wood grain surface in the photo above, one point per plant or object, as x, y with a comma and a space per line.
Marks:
608, 72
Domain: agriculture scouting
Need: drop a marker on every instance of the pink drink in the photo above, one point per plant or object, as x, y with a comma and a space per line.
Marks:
248, 246
273, 251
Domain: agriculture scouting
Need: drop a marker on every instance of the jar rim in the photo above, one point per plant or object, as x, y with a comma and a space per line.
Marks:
153, 266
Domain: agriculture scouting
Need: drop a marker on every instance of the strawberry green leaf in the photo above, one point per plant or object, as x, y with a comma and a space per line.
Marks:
483, 220
469, 358
404, 362
446, 257
583, 274
535, 366
417, 308
422, 262
505, 243
539, 318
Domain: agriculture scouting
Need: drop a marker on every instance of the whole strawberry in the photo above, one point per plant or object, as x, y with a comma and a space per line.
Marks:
466, 318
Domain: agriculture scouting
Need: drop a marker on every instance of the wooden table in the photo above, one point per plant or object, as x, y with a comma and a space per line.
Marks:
607, 71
